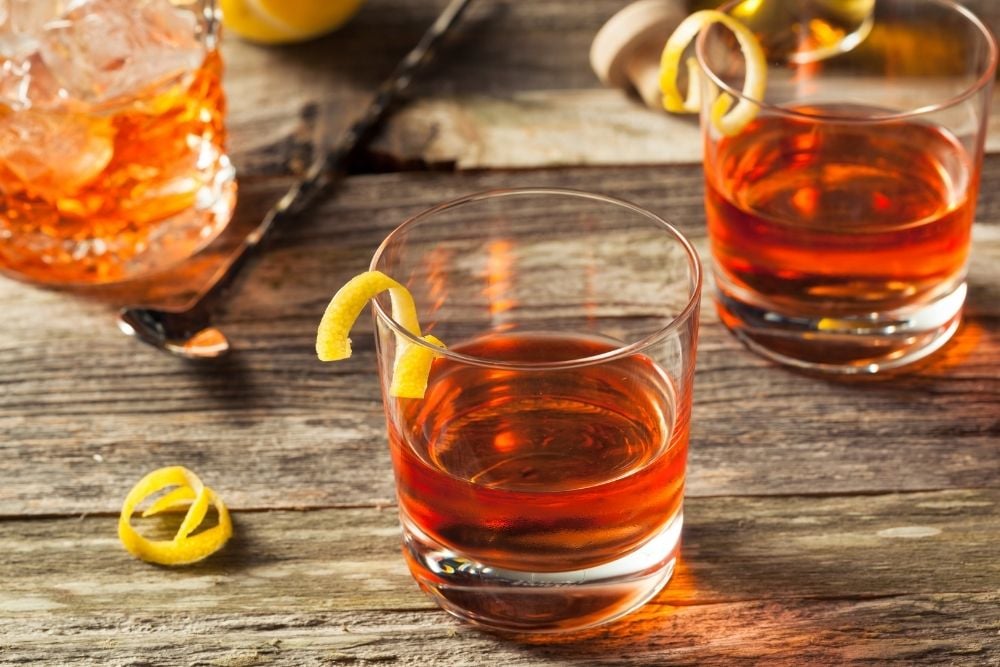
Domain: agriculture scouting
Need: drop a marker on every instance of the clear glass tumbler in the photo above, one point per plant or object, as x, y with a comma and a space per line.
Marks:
540, 478
840, 217
112, 157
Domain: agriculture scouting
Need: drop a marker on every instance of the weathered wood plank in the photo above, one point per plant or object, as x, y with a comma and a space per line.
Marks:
900, 630
348, 559
291, 432
536, 128
807, 579
899, 576
541, 105
550, 128
508, 45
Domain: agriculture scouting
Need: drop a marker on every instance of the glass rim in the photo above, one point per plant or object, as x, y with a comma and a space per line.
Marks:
984, 80
626, 349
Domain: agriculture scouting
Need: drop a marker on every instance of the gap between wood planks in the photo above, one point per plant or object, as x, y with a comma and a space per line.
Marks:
394, 506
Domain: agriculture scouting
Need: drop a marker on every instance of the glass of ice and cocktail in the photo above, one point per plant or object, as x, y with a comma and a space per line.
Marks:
112, 160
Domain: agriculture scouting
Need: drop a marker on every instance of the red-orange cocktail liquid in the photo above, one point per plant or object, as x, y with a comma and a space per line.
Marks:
144, 184
833, 219
541, 471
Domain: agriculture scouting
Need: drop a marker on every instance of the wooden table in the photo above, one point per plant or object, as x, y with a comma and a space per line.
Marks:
826, 522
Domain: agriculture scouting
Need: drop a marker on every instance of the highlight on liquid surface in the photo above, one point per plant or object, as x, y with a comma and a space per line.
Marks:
541, 470
111, 139
839, 218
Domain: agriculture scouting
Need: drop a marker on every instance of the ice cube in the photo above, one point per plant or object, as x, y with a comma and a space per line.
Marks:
23, 76
26, 82
55, 154
26, 17
109, 50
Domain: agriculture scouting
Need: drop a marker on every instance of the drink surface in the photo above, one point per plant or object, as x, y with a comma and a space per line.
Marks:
541, 470
839, 218
111, 122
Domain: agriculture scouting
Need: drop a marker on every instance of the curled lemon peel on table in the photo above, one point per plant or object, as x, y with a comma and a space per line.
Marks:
185, 548
413, 362
726, 118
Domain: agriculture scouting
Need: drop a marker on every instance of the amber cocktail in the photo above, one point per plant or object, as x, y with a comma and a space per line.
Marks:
840, 217
540, 477
112, 157
519, 469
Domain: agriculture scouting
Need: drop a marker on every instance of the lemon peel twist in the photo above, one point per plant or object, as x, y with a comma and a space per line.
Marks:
726, 118
184, 548
413, 362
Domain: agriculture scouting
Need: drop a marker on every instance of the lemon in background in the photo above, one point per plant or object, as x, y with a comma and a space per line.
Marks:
284, 21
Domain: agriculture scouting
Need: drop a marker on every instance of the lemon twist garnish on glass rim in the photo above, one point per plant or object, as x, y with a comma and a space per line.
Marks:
413, 362
724, 116
191, 493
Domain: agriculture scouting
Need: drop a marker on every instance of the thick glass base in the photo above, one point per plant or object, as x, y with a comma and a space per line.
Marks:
853, 345
45, 256
517, 601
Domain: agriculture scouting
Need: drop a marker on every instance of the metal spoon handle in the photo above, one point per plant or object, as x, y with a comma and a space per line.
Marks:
330, 167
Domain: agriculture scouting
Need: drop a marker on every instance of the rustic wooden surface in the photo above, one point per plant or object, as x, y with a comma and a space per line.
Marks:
826, 522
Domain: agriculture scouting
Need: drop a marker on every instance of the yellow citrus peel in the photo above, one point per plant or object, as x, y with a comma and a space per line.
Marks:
191, 493
728, 119
413, 362
283, 21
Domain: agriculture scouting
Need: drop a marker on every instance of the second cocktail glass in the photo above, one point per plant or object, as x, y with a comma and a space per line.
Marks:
840, 217
540, 478
112, 138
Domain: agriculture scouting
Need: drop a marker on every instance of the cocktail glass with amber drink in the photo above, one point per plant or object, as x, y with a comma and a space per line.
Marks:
112, 160
840, 216
540, 476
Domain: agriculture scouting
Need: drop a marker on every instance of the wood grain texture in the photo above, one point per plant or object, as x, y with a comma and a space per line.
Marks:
550, 128
827, 523
827, 585
540, 104
900, 630
290, 432
536, 128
